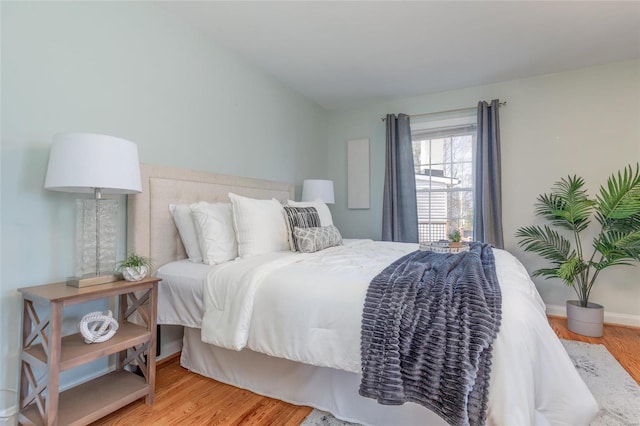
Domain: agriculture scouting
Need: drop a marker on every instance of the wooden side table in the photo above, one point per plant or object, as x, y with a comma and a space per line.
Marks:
41, 403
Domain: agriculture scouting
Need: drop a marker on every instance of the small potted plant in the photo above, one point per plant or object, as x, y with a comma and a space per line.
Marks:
456, 239
135, 267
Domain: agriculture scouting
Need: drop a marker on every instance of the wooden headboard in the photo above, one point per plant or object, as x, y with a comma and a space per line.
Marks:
150, 228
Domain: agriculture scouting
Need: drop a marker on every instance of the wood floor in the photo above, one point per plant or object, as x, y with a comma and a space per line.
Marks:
185, 398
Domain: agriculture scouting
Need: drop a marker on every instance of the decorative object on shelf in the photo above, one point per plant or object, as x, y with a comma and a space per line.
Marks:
616, 208
456, 239
135, 267
98, 327
318, 189
444, 246
97, 164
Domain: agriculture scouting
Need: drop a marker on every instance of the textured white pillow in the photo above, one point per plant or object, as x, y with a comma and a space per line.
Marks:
323, 210
260, 225
216, 236
186, 228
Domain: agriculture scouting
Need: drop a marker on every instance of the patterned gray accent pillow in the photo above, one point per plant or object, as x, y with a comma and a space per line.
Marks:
300, 217
310, 240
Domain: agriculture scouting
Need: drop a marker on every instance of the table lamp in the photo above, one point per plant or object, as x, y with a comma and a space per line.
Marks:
97, 164
318, 189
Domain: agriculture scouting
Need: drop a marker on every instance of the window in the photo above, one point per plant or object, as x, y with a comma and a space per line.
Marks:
443, 154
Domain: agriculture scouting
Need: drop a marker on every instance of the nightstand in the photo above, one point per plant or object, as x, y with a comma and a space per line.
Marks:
40, 399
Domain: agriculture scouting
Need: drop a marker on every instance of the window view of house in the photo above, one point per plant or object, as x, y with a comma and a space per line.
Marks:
443, 161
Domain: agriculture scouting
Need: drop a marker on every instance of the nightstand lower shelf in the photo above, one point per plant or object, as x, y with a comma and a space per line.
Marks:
76, 352
90, 401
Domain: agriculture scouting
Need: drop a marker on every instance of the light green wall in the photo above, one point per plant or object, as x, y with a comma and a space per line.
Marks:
584, 122
126, 69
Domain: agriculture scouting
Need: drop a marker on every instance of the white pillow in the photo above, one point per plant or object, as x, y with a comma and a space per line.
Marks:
186, 228
216, 236
260, 225
323, 210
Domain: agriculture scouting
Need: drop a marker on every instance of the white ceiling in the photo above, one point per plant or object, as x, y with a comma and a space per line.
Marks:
340, 54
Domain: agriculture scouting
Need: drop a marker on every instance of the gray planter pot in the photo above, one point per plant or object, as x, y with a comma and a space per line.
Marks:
586, 321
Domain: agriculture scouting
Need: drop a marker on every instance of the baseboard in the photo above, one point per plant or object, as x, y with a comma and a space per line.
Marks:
170, 348
609, 317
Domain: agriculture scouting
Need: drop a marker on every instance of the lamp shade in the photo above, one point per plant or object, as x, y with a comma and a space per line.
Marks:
318, 189
82, 162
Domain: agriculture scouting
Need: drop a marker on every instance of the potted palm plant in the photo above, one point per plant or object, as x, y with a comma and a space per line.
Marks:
616, 209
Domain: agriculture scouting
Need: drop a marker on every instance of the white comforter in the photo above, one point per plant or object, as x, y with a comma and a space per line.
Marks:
308, 307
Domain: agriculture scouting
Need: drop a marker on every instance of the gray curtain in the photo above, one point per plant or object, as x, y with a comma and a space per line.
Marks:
487, 222
400, 210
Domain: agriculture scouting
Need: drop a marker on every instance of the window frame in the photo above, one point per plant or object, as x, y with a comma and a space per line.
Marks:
431, 130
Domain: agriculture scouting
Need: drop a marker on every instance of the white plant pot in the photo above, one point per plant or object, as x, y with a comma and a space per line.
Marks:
135, 274
586, 321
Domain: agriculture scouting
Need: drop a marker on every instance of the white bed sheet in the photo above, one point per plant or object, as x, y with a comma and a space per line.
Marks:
180, 295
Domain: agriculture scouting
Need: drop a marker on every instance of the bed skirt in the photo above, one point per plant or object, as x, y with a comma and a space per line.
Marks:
323, 388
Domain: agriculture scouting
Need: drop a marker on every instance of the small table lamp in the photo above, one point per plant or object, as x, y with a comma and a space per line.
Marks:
97, 164
318, 189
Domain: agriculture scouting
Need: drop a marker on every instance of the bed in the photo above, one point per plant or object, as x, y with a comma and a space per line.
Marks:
292, 331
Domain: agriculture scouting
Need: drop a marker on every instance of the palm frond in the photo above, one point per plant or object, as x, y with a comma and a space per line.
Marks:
617, 247
603, 264
620, 198
550, 207
547, 273
567, 206
625, 225
569, 269
546, 242
550, 273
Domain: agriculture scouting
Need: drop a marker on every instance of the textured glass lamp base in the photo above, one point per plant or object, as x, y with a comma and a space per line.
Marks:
96, 237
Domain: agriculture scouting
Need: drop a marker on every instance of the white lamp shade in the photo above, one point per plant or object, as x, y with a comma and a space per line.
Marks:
318, 189
81, 162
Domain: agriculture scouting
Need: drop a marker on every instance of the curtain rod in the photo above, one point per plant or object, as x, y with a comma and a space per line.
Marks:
447, 111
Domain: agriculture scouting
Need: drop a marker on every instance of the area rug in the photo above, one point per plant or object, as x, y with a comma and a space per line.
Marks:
618, 395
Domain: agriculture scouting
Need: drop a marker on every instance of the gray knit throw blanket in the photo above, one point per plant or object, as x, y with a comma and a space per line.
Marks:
428, 327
